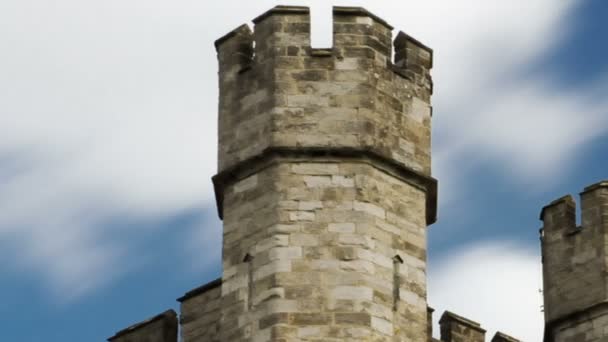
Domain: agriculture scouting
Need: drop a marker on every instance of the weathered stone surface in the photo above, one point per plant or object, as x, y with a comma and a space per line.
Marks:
160, 328
456, 328
325, 190
285, 94
324, 160
338, 263
200, 313
502, 337
575, 267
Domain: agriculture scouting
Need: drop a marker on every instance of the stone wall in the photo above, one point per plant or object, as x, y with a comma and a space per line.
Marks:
200, 313
502, 337
324, 180
455, 328
160, 328
574, 258
588, 326
314, 250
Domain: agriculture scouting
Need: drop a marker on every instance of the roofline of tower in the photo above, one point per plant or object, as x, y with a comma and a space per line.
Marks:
244, 28
600, 184
359, 11
260, 161
570, 199
337, 10
201, 289
563, 199
142, 324
405, 36
505, 337
465, 321
281, 9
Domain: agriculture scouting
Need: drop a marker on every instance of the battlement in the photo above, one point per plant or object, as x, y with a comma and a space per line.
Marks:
284, 31
574, 257
280, 96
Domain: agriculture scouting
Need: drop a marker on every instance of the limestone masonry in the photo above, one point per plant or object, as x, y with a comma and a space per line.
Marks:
325, 190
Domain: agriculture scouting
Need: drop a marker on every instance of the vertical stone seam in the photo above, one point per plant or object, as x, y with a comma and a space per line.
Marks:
250, 285
396, 282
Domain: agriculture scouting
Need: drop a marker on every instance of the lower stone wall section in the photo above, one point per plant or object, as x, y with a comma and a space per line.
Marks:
324, 251
586, 327
200, 313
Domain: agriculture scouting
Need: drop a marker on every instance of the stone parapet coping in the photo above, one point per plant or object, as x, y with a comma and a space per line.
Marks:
600, 184
359, 11
169, 314
201, 289
281, 10
564, 199
500, 336
450, 316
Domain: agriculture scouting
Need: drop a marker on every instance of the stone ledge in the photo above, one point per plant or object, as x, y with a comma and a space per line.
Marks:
272, 155
201, 289
568, 199
401, 39
450, 316
359, 11
502, 337
600, 184
169, 315
280, 9
243, 29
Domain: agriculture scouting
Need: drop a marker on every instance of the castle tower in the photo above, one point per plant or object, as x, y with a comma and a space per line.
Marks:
324, 182
575, 267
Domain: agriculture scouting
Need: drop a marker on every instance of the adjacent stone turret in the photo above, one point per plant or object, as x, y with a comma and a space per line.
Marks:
575, 268
324, 180
455, 328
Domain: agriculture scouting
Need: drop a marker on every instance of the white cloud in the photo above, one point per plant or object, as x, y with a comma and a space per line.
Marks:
204, 245
109, 109
494, 283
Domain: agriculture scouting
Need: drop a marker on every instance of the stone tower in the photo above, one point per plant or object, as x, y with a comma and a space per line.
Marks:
325, 190
324, 182
575, 267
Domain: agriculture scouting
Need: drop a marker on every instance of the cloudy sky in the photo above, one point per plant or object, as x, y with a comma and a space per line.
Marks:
108, 114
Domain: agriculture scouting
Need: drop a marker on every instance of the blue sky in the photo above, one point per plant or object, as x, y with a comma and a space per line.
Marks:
107, 146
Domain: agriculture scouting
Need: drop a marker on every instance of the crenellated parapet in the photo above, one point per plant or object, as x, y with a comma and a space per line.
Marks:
279, 95
324, 180
277, 91
575, 258
325, 190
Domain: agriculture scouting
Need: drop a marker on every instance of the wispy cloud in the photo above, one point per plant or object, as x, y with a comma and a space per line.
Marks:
109, 108
494, 283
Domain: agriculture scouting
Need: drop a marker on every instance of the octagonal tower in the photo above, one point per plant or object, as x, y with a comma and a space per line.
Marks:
324, 182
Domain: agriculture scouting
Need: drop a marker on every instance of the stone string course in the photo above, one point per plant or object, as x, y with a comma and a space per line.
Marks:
325, 190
